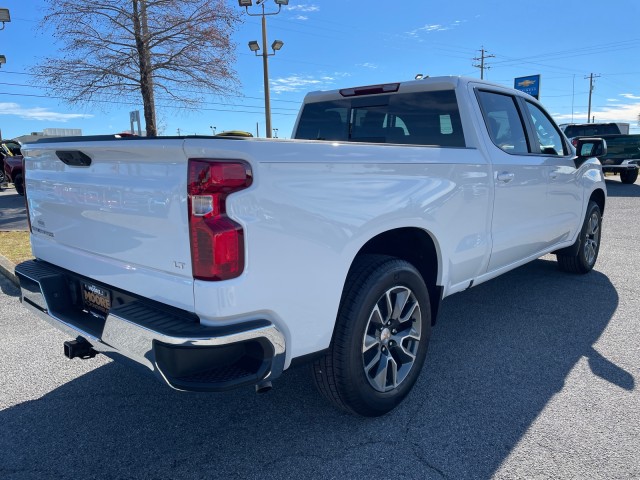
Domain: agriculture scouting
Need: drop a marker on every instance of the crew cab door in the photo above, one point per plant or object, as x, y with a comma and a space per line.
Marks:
519, 224
565, 191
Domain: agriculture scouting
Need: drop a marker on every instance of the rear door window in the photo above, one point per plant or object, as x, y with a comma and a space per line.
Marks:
503, 121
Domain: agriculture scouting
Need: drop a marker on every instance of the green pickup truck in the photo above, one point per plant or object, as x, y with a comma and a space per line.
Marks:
623, 156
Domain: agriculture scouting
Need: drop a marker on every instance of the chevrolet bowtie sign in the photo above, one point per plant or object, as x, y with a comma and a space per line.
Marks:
530, 85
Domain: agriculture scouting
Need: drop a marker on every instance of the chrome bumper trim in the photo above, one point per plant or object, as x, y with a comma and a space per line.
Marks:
42, 292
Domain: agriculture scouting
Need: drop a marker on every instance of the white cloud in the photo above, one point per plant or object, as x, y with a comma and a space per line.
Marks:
304, 83
372, 66
611, 113
39, 113
304, 8
301, 17
630, 96
295, 83
435, 27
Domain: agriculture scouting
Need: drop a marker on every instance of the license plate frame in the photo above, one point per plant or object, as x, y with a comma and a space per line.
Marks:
95, 299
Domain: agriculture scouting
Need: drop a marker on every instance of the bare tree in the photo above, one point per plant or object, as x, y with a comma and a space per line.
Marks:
179, 49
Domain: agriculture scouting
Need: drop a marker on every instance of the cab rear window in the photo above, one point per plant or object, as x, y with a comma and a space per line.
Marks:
591, 130
422, 118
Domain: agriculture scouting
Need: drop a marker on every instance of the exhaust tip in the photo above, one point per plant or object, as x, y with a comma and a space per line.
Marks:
264, 387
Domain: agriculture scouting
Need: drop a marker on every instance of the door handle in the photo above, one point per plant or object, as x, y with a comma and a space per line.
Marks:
505, 177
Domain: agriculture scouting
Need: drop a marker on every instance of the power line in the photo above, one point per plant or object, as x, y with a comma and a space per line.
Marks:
164, 98
115, 102
561, 54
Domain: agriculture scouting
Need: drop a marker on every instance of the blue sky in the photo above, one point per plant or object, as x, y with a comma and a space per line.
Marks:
334, 44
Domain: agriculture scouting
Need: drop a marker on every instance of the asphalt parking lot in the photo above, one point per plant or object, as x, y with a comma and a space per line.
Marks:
532, 375
13, 214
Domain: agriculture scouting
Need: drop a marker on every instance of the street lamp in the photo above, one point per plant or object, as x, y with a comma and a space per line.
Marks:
4, 16
254, 47
275, 133
213, 130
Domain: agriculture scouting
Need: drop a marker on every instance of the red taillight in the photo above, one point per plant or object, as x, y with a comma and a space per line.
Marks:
574, 142
217, 242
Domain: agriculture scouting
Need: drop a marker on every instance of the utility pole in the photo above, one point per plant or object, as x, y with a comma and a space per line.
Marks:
481, 65
254, 47
590, 77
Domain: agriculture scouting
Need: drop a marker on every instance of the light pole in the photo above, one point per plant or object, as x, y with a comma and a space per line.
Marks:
275, 133
213, 130
5, 16
254, 47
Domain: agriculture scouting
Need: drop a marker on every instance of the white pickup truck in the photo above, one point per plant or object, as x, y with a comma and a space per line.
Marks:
221, 262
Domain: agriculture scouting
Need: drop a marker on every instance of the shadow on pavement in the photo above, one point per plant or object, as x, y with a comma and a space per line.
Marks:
8, 288
13, 211
618, 189
499, 353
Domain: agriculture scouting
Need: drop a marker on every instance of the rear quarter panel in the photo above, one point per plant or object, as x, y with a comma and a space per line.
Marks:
313, 205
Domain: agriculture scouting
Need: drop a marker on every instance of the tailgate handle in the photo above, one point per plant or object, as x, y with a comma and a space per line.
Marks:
74, 158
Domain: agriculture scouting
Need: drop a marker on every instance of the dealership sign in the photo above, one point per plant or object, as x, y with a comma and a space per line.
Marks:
530, 85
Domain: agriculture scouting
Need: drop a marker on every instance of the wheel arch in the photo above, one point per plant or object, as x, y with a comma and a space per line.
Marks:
600, 198
417, 247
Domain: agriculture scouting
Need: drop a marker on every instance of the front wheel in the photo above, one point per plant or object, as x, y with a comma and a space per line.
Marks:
380, 339
588, 243
629, 176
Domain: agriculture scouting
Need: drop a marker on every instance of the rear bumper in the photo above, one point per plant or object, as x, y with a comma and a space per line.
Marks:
629, 164
170, 343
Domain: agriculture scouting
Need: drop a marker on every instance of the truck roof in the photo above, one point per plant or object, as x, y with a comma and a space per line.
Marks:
424, 84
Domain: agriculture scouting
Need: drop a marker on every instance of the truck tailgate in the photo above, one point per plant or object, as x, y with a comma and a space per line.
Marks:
121, 220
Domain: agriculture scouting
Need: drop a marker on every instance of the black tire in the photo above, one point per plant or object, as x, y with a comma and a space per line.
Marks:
629, 176
370, 337
2, 175
19, 184
588, 243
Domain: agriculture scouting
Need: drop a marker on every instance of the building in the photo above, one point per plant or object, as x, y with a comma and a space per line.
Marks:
49, 133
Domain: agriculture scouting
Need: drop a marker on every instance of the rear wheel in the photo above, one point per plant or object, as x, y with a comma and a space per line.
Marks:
629, 176
380, 339
18, 182
588, 243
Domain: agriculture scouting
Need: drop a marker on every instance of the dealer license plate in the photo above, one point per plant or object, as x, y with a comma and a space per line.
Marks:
96, 299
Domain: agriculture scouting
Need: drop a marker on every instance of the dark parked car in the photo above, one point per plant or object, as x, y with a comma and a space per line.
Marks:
11, 170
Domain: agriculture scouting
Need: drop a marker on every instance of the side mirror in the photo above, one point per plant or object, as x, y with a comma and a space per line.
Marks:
591, 147
588, 148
